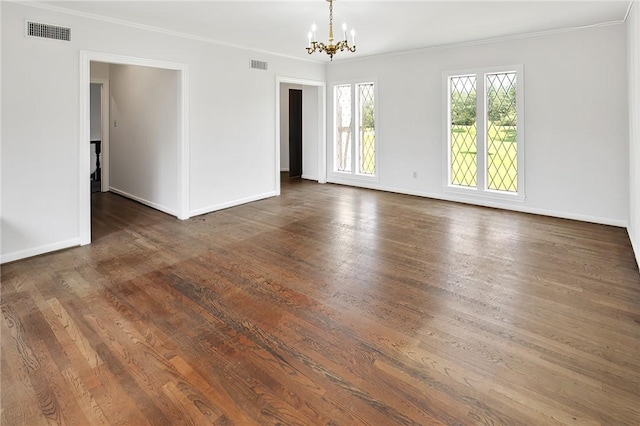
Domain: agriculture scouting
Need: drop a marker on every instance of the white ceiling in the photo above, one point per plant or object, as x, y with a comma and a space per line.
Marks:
281, 27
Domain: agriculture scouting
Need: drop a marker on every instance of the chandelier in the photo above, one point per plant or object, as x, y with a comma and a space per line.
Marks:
331, 49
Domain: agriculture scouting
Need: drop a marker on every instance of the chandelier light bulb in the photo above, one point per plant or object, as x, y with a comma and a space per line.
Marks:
353, 37
344, 31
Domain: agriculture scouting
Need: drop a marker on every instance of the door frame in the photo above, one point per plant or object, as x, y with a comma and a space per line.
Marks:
322, 126
182, 153
105, 94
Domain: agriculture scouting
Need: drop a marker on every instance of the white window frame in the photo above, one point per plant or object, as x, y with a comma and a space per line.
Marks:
481, 191
338, 176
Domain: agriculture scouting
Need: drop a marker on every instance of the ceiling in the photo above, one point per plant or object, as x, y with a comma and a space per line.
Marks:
281, 27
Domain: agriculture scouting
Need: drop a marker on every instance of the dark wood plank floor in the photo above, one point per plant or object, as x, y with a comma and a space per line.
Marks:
327, 305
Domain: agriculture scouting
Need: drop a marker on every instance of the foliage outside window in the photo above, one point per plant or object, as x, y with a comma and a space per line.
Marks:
483, 131
354, 127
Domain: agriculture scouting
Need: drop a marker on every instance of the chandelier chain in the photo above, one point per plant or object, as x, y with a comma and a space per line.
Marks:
330, 12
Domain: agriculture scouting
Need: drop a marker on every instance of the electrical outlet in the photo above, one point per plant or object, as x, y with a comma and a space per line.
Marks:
115, 124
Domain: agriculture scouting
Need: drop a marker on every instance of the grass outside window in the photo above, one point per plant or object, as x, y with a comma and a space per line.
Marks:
503, 144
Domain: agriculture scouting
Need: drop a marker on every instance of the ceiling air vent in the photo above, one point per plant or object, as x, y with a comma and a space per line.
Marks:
54, 32
259, 65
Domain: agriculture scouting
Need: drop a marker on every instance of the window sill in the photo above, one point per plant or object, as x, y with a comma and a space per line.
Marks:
347, 177
486, 195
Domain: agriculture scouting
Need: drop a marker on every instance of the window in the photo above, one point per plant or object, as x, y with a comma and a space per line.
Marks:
354, 144
485, 147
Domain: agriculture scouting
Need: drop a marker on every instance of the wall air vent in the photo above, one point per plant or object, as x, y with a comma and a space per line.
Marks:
259, 65
54, 32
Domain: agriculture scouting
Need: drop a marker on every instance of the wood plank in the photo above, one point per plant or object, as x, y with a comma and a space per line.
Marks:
326, 305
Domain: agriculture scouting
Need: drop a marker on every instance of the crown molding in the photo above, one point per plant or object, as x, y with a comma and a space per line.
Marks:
626, 15
152, 28
483, 41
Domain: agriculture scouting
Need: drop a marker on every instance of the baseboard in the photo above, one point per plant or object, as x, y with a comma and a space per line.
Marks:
309, 177
571, 216
222, 206
516, 206
23, 254
143, 201
284, 170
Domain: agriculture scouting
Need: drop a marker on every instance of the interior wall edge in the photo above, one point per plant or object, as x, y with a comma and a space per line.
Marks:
157, 206
222, 206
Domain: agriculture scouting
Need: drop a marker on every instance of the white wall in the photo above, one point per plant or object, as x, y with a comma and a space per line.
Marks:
99, 70
575, 110
144, 142
231, 127
633, 47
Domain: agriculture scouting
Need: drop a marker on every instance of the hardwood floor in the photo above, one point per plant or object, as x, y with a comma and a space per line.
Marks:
327, 305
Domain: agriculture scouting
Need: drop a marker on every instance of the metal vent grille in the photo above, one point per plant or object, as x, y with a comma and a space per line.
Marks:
259, 65
54, 32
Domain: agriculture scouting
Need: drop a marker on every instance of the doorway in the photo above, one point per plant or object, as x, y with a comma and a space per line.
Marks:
181, 184
295, 133
314, 115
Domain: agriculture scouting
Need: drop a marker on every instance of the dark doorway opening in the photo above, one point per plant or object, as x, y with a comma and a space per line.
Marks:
295, 133
96, 176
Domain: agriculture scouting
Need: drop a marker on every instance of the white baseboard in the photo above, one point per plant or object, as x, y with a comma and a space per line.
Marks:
284, 170
222, 206
516, 206
309, 177
572, 216
143, 201
23, 254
